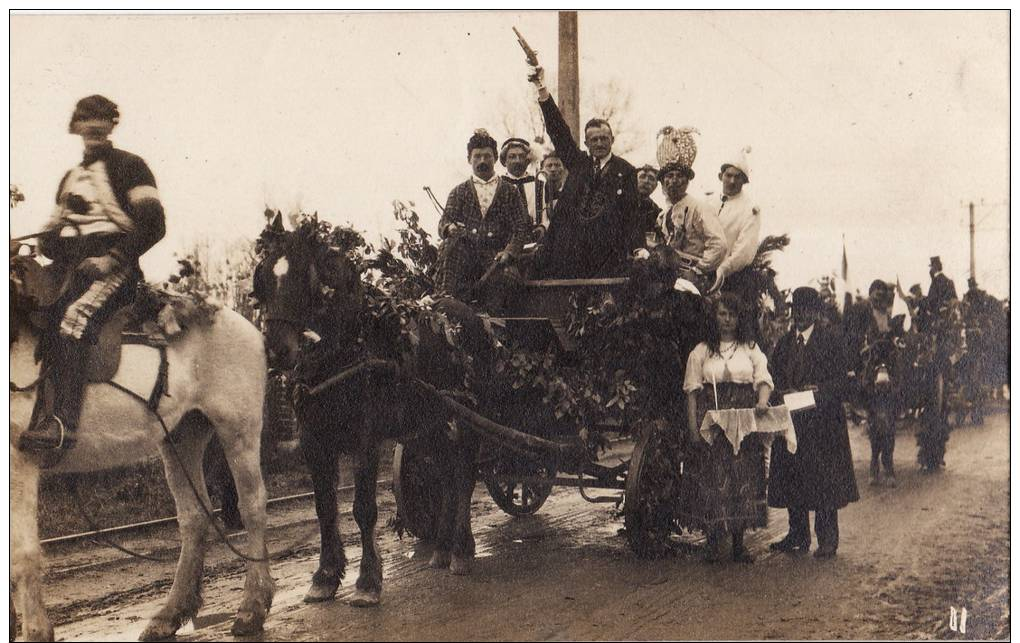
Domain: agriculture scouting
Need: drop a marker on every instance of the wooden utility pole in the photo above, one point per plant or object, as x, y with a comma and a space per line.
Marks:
568, 97
973, 275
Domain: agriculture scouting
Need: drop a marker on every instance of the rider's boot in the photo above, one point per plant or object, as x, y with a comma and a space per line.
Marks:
58, 431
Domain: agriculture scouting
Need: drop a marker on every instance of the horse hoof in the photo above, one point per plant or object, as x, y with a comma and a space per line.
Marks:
364, 598
440, 560
319, 593
44, 634
157, 630
247, 624
461, 565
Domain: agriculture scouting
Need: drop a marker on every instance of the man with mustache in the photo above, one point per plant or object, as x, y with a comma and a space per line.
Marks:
484, 223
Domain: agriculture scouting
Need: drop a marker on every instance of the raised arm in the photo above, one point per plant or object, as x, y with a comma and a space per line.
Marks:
557, 128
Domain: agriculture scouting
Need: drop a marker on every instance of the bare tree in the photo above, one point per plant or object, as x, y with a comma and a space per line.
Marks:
611, 100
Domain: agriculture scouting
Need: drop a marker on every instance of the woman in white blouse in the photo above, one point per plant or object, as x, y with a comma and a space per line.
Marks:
725, 493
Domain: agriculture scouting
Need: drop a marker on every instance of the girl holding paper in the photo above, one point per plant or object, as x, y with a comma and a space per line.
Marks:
724, 491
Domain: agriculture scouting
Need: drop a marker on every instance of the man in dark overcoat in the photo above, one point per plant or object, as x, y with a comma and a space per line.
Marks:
484, 223
942, 289
594, 226
819, 477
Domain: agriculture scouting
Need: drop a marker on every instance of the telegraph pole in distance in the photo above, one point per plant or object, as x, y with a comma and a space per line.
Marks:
568, 98
973, 275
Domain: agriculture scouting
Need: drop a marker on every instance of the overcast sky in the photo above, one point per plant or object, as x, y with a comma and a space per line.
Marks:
876, 126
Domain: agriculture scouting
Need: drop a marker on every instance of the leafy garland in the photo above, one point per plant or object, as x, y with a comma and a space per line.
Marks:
631, 344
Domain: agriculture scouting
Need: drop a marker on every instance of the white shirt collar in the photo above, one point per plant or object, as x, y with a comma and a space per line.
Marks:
602, 161
480, 181
806, 334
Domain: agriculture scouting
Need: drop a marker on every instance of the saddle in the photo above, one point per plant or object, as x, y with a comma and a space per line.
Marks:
134, 323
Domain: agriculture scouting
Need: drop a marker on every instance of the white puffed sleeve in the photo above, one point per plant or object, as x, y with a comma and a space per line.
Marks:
760, 364
693, 376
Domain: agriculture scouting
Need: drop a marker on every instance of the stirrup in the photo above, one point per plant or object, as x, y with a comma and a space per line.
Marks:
29, 442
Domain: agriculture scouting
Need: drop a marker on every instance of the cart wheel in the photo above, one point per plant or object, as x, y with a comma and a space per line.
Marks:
520, 498
415, 488
653, 485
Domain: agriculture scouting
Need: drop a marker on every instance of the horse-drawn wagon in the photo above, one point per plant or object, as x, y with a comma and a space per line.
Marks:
533, 451
523, 399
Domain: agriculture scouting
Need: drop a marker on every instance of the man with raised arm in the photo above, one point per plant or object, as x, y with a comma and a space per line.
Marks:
594, 226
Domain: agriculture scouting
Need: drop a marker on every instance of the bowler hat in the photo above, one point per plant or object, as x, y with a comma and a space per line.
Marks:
806, 297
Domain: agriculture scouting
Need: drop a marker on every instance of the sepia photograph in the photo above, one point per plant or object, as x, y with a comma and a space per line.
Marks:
531, 325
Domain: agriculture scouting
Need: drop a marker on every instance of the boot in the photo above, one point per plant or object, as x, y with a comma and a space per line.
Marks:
875, 475
740, 553
714, 545
59, 430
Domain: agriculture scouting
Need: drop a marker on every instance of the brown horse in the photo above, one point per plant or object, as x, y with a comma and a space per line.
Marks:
303, 284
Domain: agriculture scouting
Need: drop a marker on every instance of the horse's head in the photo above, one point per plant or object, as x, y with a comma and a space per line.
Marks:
303, 282
31, 286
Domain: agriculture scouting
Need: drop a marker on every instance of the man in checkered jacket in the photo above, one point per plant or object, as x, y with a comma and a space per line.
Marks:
484, 223
107, 215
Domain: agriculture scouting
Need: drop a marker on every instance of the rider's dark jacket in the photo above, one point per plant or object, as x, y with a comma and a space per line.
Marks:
107, 204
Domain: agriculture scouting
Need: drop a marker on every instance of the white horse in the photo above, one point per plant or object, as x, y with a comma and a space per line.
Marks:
217, 375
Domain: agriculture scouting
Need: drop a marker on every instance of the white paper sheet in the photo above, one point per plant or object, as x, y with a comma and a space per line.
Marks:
799, 401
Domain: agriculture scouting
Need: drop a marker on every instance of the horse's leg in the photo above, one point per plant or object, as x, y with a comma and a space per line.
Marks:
445, 522
220, 482
464, 540
182, 460
322, 457
241, 446
366, 513
26, 553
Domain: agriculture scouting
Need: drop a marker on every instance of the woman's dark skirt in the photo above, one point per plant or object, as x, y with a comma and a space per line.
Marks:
720, 491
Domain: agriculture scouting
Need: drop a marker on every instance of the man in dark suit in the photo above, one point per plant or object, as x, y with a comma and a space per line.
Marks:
594, 226
940, 293
484, 223
820, 476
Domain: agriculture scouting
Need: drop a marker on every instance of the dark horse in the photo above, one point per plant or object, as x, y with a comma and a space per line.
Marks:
880, 381
305, 283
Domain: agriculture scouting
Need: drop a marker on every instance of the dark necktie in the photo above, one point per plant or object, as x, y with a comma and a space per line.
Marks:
798, 369
520, 183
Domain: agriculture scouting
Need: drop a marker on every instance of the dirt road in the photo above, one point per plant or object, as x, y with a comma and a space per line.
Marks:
907, 555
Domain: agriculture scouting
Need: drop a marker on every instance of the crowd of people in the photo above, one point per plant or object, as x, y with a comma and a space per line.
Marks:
592, 214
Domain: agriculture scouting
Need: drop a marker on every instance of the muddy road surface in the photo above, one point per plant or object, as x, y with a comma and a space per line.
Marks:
907, 556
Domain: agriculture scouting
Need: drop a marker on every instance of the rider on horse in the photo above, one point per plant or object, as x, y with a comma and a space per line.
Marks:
107, 215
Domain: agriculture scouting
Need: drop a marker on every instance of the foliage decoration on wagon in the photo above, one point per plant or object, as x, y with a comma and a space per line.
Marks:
631, 345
